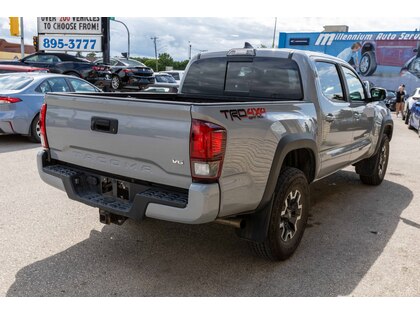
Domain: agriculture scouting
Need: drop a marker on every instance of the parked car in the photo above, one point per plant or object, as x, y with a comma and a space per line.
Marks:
164, 79
177, 74
222, 150
413, 98
15, 68
411, 69
129, 73
21, 97
414, 117
390, 100
67, 64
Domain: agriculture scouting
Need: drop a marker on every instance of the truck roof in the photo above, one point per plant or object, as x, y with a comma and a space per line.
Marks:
272, 52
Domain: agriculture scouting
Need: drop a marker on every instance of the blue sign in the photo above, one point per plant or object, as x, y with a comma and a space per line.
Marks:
387, 59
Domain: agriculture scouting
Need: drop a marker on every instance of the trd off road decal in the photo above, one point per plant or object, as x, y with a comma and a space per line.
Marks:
242, 113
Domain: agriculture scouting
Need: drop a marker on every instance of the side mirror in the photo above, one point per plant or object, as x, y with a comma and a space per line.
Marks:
377, 94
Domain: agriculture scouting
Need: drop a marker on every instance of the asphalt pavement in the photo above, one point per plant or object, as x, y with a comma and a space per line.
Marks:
360, 240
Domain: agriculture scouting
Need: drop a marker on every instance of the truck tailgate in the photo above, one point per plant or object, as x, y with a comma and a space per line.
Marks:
146, 140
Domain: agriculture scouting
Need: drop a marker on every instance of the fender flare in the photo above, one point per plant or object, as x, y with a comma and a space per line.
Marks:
256, 227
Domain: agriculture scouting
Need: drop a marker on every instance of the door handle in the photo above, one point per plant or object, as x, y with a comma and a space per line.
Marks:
330, 118
106, 125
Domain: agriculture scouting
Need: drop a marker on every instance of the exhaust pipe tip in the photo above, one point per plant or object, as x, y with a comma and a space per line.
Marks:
236, 223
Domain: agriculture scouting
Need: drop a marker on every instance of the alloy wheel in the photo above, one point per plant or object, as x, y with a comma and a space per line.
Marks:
290, 215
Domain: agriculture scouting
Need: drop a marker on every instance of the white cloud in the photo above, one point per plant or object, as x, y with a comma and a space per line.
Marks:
215, 33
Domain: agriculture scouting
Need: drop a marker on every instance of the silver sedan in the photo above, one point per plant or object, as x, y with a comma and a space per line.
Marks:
21, 97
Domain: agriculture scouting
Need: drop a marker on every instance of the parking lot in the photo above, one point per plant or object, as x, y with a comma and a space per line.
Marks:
360, 241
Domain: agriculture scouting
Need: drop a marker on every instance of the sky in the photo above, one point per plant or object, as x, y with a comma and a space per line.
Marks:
175, 34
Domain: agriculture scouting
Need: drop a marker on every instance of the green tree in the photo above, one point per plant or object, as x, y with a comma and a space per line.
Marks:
151, 63
165, 60
180, 65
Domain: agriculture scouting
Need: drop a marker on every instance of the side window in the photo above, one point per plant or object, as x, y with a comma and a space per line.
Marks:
32, 59
44, 87
356, 91
330, 81
59, 85
81, 86
48, 58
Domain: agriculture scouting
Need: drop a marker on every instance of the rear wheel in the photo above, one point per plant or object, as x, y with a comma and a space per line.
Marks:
115, 82
35, 135
376, 165
407, 117
288, 218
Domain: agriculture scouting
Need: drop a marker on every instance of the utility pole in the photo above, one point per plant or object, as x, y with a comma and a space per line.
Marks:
106, 40
189, 55
274, 35
156, 57
22, 39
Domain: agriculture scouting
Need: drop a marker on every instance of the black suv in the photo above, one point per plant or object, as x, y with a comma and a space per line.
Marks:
68, 64
128, 73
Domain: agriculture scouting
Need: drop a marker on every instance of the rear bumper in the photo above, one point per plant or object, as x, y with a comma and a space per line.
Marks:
198, 204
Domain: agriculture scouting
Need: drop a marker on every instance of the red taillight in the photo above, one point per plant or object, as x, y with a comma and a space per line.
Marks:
42, 124
99, 68
207, 150
9, 100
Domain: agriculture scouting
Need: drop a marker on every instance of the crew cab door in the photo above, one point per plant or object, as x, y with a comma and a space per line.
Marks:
362, 114
337, 118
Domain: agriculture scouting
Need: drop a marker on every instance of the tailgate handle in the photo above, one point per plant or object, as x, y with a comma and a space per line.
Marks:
101, 124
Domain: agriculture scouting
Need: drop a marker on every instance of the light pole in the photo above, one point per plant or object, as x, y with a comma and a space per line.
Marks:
128, 33
189, 55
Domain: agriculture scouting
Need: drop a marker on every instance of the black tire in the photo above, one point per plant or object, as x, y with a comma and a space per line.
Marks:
409, 125
407, 117
377, 164
288, 218
115, 82
35, 132
367, 64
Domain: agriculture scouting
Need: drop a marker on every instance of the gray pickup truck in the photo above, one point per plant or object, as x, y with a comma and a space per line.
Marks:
239, 144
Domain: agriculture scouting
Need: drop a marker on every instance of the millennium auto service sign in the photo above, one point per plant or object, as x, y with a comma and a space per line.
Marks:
70, 33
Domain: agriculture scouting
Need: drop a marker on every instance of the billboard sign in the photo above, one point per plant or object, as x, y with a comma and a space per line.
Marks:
69, 25
89, 43
387, 59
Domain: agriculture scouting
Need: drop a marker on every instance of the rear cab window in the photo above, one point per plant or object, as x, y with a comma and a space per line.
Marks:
259, 77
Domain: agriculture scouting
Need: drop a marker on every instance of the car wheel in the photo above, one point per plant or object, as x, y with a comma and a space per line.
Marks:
115, 82
35, 135
407, 117
289, 214
367, 63
376, 165
410, 126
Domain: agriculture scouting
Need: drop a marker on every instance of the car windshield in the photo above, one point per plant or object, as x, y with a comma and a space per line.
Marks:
14, 82
175, 75
164, 78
